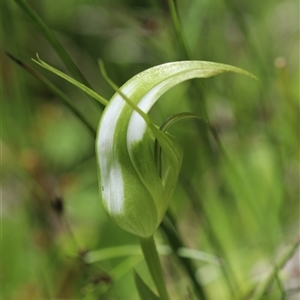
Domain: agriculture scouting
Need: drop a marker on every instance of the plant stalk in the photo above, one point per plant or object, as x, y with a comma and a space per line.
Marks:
154, 265
176, 243
178, 29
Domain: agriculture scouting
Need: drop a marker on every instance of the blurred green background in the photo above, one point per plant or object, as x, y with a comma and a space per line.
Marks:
243, 207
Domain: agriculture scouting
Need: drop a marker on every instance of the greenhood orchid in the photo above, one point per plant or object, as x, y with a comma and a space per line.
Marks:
135, 189
135, 194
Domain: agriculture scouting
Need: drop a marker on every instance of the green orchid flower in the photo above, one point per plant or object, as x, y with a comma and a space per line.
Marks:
136, 177
135, 186
134, 191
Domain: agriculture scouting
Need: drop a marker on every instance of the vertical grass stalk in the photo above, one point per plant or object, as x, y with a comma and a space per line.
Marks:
198, 206
264, 285
178, 29
204, 137
176, 242
53, 41
56, 91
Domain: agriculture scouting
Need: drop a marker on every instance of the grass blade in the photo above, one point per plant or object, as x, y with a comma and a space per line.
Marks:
144, 291
53, 41
176, 243
112, 252
178, 30
66, 100
265, 284
79, 85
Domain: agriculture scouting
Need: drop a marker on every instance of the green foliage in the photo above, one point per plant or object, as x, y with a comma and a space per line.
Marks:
263, 287
237, 198
81, 86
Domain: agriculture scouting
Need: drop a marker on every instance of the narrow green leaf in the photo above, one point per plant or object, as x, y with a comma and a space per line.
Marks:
120, 270
283, 259
112, 252
177, 29
56, 91
176, 243
198, 255
96, 256
53, 41
144, 291
280, 284
81, 86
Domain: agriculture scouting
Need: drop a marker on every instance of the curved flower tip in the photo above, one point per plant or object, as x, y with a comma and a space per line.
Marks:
134, 193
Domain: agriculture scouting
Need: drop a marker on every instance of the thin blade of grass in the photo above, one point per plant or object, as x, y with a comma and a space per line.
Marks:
66, 100
124, 267
177, 243
96, 256
280, 284
265, 284
198, 206
178, 30
144, 291
112, 252
79, 85
53, 41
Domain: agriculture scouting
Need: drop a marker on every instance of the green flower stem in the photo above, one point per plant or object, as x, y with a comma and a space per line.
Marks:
154, 266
